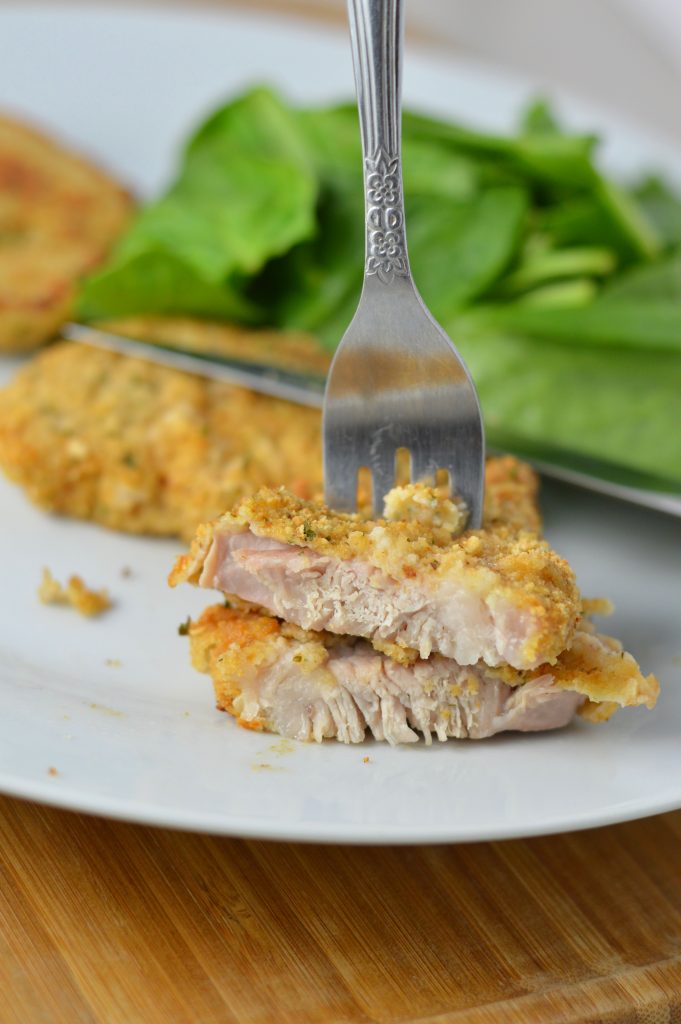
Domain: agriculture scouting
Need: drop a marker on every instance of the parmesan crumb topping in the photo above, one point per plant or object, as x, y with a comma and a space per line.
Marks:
431, 507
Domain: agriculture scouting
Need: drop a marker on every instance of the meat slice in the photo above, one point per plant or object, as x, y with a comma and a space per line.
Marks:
497, 595
312, 686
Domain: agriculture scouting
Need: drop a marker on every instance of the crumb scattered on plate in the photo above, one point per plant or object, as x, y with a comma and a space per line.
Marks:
282, 747
76, 594
52, 771
107, 711
113, 662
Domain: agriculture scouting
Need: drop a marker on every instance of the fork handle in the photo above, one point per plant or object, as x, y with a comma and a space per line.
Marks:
376, 34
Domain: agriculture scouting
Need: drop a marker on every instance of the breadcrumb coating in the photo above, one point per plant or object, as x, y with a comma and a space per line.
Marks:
597, 666
511, 494
399, 547
597, 606
59, 216
76, 594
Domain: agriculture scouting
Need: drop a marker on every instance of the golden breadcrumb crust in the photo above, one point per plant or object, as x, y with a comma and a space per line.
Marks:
221, 630
511, 490
605, 676
518, 566
595, 665
146, 449
401, 548
512, 494
86, 601
228, 642
59, 216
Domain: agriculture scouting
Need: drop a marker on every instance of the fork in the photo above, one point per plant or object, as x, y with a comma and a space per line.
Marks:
396, 381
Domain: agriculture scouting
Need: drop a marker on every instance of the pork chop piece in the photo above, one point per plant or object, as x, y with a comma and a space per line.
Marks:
497, 595
313, 686
59, 217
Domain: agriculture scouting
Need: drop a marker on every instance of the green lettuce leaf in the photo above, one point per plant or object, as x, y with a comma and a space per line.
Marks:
563, 288
316, 287
246, 193
661, 280
662, 207
618, 405
458, 250
606, 323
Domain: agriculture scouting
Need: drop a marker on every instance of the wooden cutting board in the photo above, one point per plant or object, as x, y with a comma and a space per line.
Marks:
108, 922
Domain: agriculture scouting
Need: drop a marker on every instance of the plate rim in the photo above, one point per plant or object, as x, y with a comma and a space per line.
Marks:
142, 813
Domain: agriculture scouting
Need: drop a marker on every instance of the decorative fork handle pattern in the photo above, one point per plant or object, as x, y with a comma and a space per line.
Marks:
376, 35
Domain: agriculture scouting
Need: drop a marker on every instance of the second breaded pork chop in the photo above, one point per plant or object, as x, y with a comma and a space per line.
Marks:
59, 216
139, 447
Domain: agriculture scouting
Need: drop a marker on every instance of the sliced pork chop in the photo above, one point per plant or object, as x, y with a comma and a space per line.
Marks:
498, 595
313, 686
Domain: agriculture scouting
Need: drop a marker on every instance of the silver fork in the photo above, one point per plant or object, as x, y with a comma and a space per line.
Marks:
397, 380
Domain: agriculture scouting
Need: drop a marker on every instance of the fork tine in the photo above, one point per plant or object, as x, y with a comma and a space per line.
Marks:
466, 481
423, 465
340, 491
383, 478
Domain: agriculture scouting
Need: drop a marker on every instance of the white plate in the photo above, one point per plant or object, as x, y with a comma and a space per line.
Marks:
142, 741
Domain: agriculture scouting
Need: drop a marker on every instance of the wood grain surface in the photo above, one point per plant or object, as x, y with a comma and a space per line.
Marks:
108, 922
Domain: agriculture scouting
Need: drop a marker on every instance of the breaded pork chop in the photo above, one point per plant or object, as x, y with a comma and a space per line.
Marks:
493, 595
146, 449
59, 216
143, 448
312, 686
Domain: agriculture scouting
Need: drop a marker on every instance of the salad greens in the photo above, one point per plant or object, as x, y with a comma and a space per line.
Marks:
562, 287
